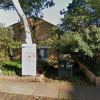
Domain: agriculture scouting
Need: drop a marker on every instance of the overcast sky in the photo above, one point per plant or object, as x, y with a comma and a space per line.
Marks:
51, 15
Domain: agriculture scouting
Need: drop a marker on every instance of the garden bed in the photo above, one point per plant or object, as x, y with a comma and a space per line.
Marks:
92, 77
78, 78
11, 70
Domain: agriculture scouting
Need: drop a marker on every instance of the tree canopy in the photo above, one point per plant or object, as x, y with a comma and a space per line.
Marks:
79, 15
30, 7
94, 4
81, 31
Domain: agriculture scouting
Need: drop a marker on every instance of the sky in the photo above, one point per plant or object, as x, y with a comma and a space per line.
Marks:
51, 15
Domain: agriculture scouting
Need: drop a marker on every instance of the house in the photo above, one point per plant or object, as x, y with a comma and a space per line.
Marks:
43, 31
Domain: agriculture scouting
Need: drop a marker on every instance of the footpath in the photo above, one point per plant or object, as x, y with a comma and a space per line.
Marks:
50, 90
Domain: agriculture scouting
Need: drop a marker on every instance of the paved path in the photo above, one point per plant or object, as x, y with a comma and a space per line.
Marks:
50, 90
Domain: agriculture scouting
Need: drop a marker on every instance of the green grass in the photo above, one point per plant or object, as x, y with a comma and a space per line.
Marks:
12, 68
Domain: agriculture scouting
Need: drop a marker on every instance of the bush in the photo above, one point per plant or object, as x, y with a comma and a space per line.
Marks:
7, 43
53, 63
45, 64
12, 68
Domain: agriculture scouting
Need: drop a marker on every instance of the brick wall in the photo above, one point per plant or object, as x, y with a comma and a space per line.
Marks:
43, 33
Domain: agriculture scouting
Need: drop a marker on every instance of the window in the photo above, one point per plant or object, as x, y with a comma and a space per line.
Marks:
43, 52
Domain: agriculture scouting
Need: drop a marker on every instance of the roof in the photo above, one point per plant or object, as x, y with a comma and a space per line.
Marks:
37, 18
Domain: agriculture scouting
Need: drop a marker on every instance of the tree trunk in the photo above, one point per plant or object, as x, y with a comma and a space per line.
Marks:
18, 8
28, 39
33, 27
40, 70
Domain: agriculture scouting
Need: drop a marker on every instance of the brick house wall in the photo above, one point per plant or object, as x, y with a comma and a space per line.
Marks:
43, 32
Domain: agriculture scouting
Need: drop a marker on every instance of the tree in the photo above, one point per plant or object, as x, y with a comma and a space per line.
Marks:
82, 34
71, 42
79, 16
28, 39
77, 19
95, 6
75, 16
7, 44
30, 8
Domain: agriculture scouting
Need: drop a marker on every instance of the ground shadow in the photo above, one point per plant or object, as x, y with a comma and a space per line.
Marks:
78, 77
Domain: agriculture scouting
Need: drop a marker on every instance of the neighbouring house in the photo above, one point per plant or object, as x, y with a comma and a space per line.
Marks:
43, 32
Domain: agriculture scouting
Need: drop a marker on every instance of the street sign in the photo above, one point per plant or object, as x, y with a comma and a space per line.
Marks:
29, 59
